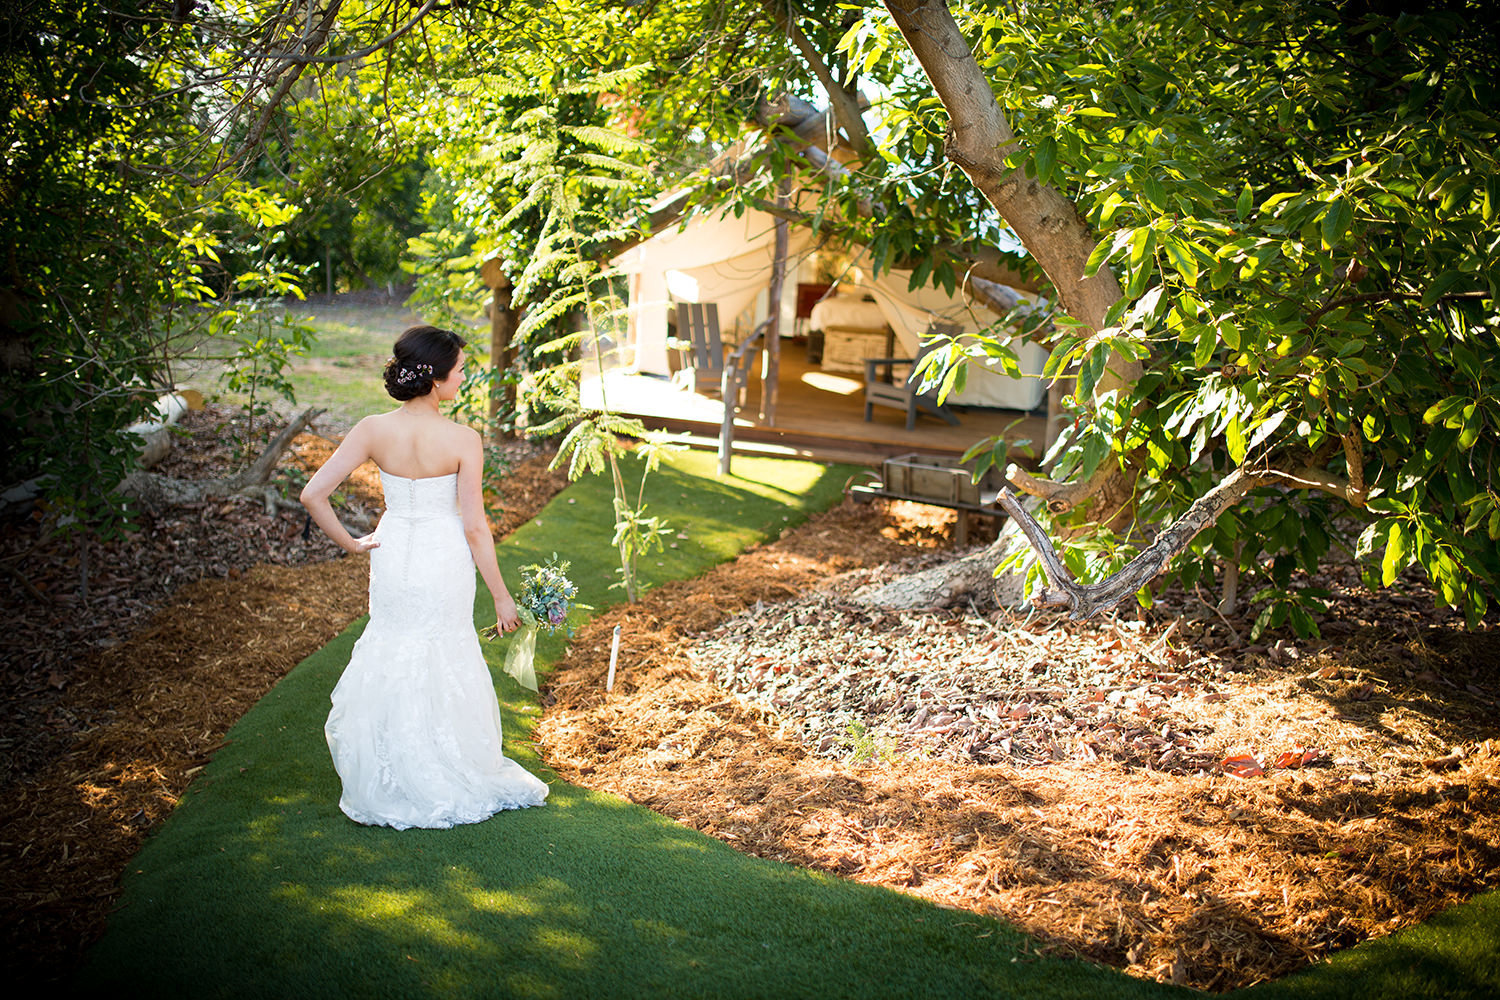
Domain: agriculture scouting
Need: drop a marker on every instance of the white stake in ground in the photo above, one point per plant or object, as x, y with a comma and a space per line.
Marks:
614, 654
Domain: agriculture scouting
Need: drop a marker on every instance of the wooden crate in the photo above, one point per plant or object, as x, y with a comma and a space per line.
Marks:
932, 477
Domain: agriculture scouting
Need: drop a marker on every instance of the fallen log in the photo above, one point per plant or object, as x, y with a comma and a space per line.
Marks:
156, 492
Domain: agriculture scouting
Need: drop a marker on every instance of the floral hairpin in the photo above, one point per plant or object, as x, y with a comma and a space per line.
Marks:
405, 375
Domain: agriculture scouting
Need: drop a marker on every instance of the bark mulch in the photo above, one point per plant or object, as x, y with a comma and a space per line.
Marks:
1067, 778
110, 706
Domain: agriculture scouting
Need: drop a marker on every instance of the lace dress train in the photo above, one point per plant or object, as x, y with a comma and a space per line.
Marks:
415, 726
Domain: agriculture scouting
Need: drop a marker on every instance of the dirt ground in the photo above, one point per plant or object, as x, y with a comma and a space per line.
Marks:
1068, 779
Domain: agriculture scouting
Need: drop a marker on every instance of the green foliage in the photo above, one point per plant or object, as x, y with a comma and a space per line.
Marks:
116, 262
264, 340
865, 746
540, 183
354, 175
1299, 202
594, 442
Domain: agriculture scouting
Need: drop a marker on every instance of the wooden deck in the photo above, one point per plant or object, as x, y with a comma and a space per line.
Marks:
819, 415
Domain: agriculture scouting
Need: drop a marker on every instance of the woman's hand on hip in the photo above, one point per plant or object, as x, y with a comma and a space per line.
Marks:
365, 543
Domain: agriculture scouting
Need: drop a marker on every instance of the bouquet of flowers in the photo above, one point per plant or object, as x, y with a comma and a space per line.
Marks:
547, 593
543, 602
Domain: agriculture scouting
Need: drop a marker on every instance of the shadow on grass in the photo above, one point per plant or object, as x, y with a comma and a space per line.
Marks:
1454, 954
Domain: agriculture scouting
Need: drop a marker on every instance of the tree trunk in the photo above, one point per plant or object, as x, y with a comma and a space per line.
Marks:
1048, 224
502, 343
978, 141
773, 330
1050, 227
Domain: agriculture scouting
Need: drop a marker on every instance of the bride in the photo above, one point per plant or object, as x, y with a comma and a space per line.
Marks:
415, 726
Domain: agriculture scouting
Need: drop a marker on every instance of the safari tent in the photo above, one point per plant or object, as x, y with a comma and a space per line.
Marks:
727, 260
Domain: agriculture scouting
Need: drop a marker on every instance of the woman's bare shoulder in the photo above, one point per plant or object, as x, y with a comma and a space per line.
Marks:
464, 438
374, 420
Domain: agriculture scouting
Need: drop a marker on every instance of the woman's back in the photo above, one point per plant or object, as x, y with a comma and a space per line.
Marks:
415, 445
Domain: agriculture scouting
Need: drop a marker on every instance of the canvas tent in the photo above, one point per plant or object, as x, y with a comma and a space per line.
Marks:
727, 259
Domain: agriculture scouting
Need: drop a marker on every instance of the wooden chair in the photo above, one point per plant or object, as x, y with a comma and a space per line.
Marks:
884, 389
700, 320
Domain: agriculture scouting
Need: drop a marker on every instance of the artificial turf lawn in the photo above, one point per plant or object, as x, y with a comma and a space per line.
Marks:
258, 886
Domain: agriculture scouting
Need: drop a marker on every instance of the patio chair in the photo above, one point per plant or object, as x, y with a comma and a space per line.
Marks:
701, 322
884, 389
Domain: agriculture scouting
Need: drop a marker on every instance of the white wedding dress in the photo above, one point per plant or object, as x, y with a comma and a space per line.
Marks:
415, 726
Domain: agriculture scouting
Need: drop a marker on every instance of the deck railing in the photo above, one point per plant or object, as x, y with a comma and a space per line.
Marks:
736, 378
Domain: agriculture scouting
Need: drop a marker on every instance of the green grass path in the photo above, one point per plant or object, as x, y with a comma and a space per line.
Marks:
257, 886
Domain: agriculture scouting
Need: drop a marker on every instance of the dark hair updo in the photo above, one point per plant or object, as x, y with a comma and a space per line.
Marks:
422, 355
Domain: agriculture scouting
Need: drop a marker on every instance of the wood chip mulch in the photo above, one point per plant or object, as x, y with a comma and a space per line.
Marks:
1066, 778
110, 706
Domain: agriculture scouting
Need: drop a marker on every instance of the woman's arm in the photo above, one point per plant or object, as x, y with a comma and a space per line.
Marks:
351, 453
477, 528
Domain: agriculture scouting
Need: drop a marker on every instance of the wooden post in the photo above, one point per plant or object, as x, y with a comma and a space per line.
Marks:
614, 654
768, 387
502, 333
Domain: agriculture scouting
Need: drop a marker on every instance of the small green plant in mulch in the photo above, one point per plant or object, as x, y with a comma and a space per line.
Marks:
864, 745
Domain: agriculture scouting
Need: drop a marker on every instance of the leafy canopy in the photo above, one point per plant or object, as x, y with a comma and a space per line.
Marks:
1300, 203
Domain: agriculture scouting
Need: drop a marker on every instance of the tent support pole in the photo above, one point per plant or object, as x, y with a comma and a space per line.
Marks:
736, 377
769, 385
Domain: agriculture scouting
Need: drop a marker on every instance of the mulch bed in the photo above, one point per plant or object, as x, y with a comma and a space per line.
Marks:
113, 704
1066, 778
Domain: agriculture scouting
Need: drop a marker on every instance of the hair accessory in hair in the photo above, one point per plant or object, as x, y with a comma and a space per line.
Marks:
405, 375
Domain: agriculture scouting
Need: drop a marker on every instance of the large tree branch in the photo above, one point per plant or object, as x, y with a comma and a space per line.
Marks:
979, 139
845, 104
1059, 497
1048, 224
1087, 600
260, 470
156, 491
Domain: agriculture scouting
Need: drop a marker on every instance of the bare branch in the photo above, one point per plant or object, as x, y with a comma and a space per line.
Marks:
1059, 497
1350, 300
1088, 600
263, 466
289, 70
369, 50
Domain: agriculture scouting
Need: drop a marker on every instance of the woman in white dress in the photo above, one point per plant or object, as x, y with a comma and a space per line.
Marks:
415, 726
